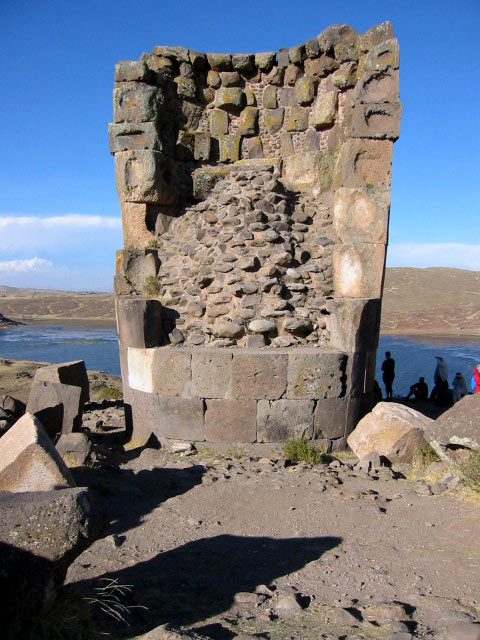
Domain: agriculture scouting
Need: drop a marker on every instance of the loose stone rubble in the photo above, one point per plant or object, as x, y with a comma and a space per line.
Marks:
255, 193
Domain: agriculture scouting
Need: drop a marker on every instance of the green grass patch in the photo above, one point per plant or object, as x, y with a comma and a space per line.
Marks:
471, 471
424, 457
109, 393
300, 450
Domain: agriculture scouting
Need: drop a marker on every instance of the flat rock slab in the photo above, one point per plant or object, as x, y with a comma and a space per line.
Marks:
29, 460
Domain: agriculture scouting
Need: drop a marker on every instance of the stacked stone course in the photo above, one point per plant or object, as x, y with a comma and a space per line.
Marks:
255, 192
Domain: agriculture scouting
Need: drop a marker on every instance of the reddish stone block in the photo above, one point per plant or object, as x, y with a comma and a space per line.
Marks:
279, 420
231, 421
259, 375
171, 372
316, 374
211, 373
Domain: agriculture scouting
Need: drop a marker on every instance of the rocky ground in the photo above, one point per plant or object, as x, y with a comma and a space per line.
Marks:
241, 544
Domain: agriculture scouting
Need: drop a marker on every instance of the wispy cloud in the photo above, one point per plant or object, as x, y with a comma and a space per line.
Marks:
26, 265
440, 254
69, 230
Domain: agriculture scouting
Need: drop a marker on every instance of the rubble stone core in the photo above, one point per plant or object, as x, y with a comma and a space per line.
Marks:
255, 195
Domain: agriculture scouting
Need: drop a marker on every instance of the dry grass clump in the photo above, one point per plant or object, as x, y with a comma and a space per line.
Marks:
470, 471
424, 457
300, 450
109, 393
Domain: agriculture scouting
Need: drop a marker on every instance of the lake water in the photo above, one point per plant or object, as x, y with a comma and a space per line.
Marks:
98, 346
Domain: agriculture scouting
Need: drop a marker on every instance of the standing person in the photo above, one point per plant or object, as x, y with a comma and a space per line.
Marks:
476, 377
388, 368
440, 378
459, 385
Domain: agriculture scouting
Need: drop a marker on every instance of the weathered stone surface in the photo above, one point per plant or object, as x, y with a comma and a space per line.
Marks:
211, 373
383, 56
202, 144
346, 76
335, 417
352, 322
318, 374
140, 369
324, 110
361, 215
230, 98
259, 375
41, 534
229, 146
248, 124
131, 70
262, 326
74, 448
358, 270
458, 426
171, 372
224, 328
364, 163
231, 420
73, 373
279, 420
139, 269
374, 36
230, 79
178, 418
144, 176
58, 406
254, 147
378, 87
376, 121
304, 90
270, 97
243, 62
132, 136
139, 322
136, 103
265, 60
219, 61
274, 119
205, 179
391, 430
297, 119
29, 460
275, 76
308, 171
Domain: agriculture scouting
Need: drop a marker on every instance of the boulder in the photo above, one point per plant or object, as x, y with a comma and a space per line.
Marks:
74, 448
58, 406
29, 461
12, 405
457, 427
41, 533
391, 430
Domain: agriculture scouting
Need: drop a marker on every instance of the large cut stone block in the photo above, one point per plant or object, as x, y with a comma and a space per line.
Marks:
378, 87
131, 70
297, 119
141, 413
57, 406
358, 270
139, 322
279, 420
145, 176
229, 146
364, 163
29, 460
230, 99
383, 56
137, 103
376, 121
202, 146
324, 110
320, 374
73, 373
248, 124
211, 373
171, 372
140, 369
179, 418
274, 119
308, 171
133, 136
138, 267
259, 375
231, 421
218, 122
361, 215
335, 417
354, 323
134, 223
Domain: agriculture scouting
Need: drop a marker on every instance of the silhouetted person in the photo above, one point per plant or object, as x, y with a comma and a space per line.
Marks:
459, 386
440, 393
419, 390
388, 368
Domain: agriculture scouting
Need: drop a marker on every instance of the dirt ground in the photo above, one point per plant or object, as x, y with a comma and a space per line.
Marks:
243, 545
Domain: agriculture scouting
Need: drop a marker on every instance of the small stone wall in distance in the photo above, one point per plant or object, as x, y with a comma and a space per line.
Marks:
255, 193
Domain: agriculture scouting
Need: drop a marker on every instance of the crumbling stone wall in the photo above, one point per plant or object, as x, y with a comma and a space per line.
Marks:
255, 192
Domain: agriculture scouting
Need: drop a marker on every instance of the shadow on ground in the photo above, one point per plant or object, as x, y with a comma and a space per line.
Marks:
200, 579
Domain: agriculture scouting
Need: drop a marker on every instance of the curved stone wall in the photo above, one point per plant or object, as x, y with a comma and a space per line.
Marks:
255, 193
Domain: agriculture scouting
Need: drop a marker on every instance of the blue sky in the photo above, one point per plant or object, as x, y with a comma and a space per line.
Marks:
59, 214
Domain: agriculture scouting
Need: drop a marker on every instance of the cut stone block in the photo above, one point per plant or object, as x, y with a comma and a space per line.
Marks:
140, 369
211, 374
248, 124
352, 323
137, 103
218, 122
391, 430
361, 215
274, 119
383, 56
139, 322
308, 171
374, 36
171, 372
376, 121
335, 417
29, 460
202, 146
364, 163
179, 418
133, 136
58, 406
279, 420
358, 270
229, 146
230, 98
231, 421
144, 176
74, 448
378, 87
259, 375
297, 119
265, 60
131, 70
73, 373
304, 90
270, 97
324, 110
317, 375
220, 61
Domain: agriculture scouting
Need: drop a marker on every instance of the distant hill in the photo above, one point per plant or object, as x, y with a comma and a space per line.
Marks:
437, 300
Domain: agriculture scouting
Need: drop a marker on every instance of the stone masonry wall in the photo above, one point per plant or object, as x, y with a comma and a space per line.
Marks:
255, 193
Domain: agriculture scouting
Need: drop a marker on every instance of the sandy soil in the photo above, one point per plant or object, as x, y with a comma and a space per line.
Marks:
238, 544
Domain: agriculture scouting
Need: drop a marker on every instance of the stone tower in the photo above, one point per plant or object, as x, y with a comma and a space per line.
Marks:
255, 194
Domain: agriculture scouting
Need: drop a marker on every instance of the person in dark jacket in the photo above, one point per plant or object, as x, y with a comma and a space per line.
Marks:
419, 390
388, 368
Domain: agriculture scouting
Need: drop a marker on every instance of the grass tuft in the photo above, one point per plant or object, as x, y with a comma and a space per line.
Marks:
471, 471
300, 450
424, 457
109, 393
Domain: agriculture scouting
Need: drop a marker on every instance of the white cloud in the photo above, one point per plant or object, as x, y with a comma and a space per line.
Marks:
26, 265
56, 232
440, 254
